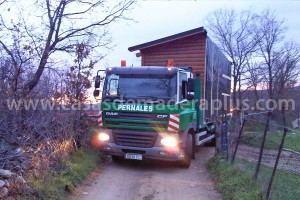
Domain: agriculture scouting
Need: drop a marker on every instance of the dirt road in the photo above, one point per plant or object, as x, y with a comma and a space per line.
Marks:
289, 161
150, 181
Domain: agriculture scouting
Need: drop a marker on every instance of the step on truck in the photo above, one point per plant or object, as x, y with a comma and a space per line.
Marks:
151, 113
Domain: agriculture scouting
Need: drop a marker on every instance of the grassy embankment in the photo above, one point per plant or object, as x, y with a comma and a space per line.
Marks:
58, 184
285, 186
66, 175
254, 136
235, 182
231, 182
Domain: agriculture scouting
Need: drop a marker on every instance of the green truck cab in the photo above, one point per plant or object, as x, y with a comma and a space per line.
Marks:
151, 113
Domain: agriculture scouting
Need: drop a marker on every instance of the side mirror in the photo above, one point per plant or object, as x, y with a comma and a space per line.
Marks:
190, 97
96, 93
184, 89
191, 85
97, 81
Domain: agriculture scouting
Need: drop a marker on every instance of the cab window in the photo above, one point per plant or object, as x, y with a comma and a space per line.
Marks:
182, 77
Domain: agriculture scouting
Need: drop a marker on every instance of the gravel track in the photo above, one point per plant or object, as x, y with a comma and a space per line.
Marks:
150, 180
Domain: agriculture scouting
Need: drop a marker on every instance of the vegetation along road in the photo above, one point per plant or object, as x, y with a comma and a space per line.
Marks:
150, 180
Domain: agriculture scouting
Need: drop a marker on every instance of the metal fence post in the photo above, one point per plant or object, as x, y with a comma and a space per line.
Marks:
224, 145
262, 146
277, 158
238, 141
218, 137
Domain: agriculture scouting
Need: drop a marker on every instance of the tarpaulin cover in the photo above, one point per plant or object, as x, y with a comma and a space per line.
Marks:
217, 86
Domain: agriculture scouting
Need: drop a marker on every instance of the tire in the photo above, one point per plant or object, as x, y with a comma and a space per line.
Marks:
116, 159
187, 159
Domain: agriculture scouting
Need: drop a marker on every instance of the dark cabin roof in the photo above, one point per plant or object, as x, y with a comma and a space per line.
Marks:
168, 39
142, 70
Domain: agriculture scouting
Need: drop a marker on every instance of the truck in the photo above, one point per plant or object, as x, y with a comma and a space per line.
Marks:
151, 112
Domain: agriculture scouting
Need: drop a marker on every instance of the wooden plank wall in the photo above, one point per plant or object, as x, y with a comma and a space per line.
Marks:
189, 51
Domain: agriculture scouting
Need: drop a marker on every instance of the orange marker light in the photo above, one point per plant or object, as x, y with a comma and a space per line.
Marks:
123, 63
170, 63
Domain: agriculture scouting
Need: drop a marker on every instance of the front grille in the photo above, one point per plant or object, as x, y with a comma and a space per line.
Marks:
138, 124
134, 138
134, 115
147, 120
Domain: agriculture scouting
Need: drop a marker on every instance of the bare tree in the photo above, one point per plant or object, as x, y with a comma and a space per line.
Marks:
59, 27
237, 38
287, 70
36, 45
78, 77
272, 30
254, 78
2, 2
279, 60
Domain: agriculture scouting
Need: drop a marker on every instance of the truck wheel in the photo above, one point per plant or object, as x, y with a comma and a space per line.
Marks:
186, 162
116, 159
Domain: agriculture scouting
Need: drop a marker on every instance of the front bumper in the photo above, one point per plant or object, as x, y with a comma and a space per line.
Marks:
156, 153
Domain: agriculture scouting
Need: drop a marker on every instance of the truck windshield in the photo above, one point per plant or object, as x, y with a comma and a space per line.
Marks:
149, 87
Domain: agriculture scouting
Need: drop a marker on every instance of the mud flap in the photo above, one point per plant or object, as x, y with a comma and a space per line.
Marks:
193, 155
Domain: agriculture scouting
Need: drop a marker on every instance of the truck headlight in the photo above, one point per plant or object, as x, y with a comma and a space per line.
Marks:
103, 137
169, 141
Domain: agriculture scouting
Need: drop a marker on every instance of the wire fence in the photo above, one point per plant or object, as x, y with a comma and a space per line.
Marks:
268, 151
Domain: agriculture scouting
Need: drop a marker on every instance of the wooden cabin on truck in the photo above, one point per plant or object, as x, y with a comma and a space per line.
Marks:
193, 48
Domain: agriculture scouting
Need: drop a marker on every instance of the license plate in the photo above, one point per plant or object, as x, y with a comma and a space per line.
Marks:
133, 156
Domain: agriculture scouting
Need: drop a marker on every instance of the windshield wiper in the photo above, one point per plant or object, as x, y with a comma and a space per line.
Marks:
153, 99
150, 97
116, 99
119, 100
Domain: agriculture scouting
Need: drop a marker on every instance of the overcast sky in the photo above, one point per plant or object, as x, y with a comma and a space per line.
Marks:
155, 19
